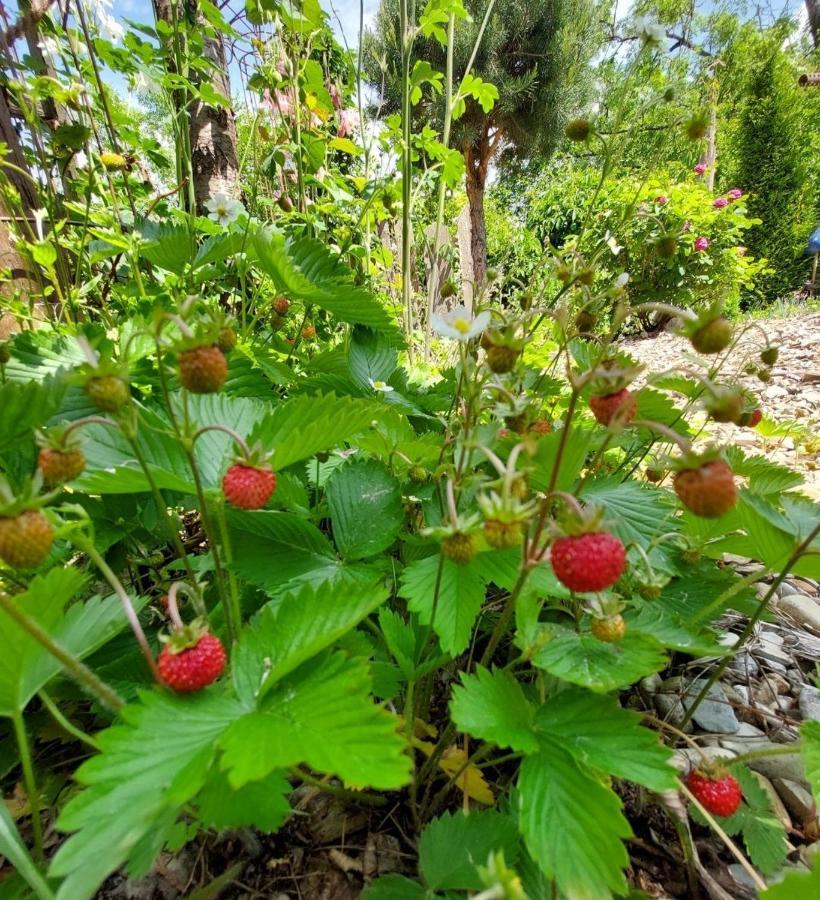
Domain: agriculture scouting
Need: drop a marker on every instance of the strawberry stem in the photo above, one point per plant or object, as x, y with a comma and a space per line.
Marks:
674, 437
240, 442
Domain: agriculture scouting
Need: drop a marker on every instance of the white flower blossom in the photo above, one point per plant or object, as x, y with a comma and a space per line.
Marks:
224, 209
651, 32
613, 245
109, 27
381, 386
622, 280
459, 324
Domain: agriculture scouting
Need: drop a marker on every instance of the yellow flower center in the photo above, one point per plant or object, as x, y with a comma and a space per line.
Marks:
461, 325
379, 385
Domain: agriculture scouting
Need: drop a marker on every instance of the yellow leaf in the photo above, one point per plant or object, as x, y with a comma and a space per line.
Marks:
470, 780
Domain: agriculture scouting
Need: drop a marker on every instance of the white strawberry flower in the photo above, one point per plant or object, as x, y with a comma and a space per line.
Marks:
381, 386
224, 209
459, 324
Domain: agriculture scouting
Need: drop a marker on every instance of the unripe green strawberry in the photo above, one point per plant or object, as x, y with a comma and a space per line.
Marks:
113, 162
501, 359
708, 490
725, 404
578, 129
448, 289
769, 356
417, 474
58, 466
107, 392
517, 423
714, 336
276, 321
203, 370
696, 128
226, 339
585, 321
520, 487
502, 535
667, 246
654, 474
610, 629
459, 547
586, 276
5, 353
25, 539
764, 375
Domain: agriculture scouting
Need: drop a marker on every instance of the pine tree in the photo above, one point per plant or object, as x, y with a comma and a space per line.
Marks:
535, 52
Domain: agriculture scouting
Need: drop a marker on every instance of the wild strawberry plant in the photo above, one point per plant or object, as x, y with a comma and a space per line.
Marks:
245, 547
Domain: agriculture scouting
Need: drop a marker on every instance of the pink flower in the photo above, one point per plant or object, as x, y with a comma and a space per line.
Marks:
720, 203
279, 103
699, 169
687, 227
348, 122
701, 244
335, 96
661, 200
734, 194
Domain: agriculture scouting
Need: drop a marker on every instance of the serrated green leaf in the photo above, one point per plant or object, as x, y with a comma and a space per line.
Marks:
321, 715
572, 825
14, 850
810, 748
261, 804
492, 706
636, 511
605, 737
584, 660
452, 609
765, 477
80, 628
668, 628
372, 356
150, 765
366, 509
281, 638
304, 269
572, 458
797, 885
304, 426
453, 845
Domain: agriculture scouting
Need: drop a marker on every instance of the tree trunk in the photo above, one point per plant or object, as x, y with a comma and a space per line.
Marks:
813, 9
213, 130
214, 167
476, 159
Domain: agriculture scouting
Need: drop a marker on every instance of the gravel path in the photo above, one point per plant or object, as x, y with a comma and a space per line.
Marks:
790, 432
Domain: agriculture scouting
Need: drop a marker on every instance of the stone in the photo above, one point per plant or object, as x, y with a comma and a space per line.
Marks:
650, 686
742, 693
695, 757
798, 801
801, 609
788, 766
770, 690
715, 713
744, 663
786, 589
671, 710
809, 702
778, 808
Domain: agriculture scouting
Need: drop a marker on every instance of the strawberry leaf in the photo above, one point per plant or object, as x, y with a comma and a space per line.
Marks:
452, 846
492, 706
572, 825
605, 737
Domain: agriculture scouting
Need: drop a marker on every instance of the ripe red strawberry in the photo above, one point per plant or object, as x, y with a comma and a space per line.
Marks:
709, 490
459, 547
609, 629
605, 407
58, 466
719, 795
751, 419
588, 562
248, 487
25, 539
203, 370
281, 305
107, 392
713, 337
194, 667
540, 427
